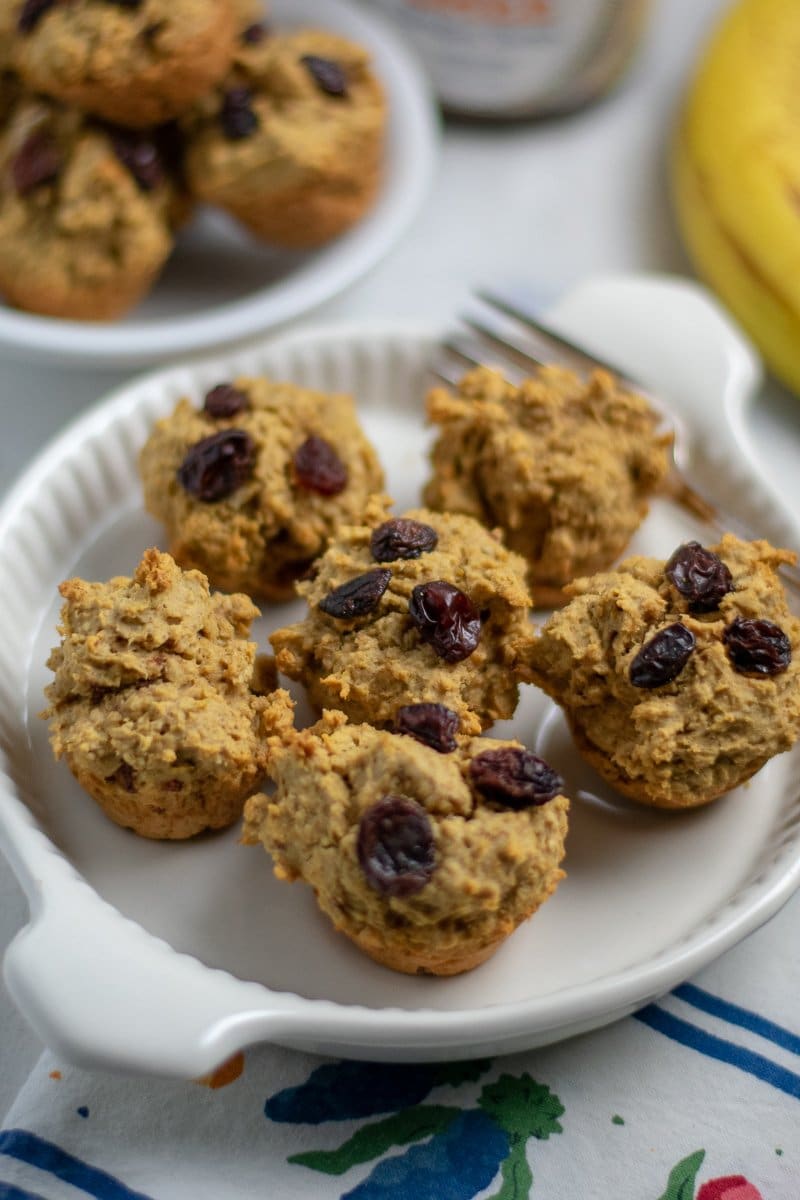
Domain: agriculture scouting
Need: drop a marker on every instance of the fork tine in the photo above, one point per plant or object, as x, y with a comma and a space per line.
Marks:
450, 362
564, 346
508, 349
452, 347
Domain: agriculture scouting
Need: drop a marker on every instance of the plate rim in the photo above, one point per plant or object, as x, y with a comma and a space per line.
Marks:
415, 125
287, 1018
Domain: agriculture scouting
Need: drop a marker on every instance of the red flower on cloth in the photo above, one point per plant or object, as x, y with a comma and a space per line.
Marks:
729, 1187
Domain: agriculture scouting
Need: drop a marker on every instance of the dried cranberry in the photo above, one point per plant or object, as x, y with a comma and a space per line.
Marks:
757, 647
662, 658
125, 776
38, 161
446, 619
140, 155
254, 34
318, 468
236, 115
327, 75
402, 538
152, 31
700, 576
216, 466
514, 777
396, 849
358, 596
432, 724
225, 401
32, 13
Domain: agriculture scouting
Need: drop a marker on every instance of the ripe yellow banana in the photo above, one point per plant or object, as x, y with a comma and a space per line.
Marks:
735, 167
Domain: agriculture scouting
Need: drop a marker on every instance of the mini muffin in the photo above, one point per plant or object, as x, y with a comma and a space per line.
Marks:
251, 486
426, 854
679, 680
424, 607
563, 466
136, 64
86, 213
159, 706
292, 143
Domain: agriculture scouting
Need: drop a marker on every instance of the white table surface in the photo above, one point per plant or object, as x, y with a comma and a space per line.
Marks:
530, 206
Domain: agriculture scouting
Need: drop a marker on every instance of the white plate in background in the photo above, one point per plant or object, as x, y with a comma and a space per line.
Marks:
222, 286
169, 957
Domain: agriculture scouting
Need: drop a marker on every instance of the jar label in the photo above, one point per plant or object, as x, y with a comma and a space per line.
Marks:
496, 55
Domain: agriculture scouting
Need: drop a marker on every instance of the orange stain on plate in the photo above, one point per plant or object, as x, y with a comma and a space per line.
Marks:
55, 1074
229, 1072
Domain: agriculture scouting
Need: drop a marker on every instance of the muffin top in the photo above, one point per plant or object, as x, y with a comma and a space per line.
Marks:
295, 106
685, 674
426, 606
563, 466
388, 828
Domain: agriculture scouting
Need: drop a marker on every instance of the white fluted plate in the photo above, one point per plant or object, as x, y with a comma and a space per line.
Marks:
170, 957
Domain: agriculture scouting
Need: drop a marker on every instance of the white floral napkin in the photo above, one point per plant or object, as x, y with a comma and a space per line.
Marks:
697, 1097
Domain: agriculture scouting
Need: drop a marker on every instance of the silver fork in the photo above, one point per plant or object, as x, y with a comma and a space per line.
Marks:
486, 341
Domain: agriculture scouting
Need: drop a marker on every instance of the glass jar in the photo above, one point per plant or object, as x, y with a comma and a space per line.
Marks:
520, 58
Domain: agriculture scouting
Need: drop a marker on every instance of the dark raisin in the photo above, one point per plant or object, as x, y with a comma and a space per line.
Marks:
395, 846
318, 468
125, 776
662, 658
402, 538
140, 155
217, 465
255, 34
225, 401
236, 115
32, 13
358, 596
446, 619
173, 785
38, 161
327, 75
514, 777
432, 724
700, 576
757, 647
153, 31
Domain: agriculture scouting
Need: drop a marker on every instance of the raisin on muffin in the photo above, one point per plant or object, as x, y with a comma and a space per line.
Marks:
251, 486
425, 853
423, 607
679, 679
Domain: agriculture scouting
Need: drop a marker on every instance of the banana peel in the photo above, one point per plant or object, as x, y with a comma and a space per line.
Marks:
735, 174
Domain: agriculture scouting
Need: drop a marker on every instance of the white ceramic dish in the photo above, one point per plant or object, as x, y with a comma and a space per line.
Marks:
220, 285
170, 957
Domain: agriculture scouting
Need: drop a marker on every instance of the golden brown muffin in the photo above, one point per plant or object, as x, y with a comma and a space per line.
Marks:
251, 486
427, 607
292, 143
86, 213
679, 680
564, 467
134, 64
427, 858
157, 703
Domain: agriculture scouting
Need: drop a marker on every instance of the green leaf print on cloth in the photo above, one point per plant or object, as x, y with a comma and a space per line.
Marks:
447, 1151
